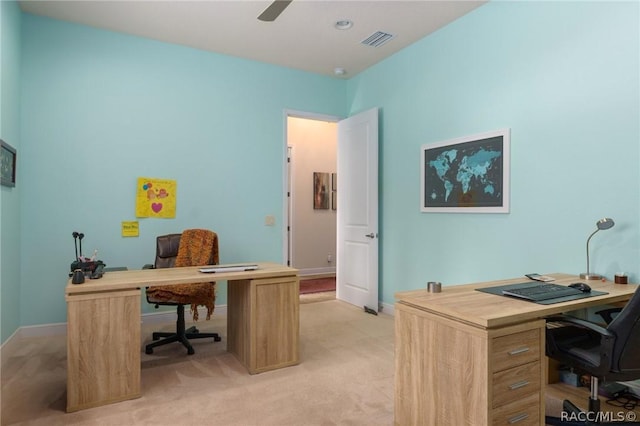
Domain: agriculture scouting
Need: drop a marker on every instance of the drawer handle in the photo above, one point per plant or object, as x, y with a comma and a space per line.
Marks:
519, 385
519, 351
518, 418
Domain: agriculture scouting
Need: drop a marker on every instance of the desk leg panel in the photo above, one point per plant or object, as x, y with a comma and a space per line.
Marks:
263, 322
441, 371
276, 304
103, 348
238, 316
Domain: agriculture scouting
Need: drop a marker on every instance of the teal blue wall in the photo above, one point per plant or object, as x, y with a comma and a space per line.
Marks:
102, 109
10, 239
563, 76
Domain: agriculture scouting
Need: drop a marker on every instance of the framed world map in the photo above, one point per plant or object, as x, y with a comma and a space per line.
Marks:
7, 164
466, 175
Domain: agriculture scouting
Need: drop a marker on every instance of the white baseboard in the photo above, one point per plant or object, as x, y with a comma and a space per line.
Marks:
387, 308
42, 330
8, 348
317, 271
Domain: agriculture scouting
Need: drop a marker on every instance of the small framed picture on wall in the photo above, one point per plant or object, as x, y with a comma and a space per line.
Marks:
7, 164
321, 191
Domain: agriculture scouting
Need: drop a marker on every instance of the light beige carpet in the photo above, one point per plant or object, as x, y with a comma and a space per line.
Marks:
317, 297
345, 378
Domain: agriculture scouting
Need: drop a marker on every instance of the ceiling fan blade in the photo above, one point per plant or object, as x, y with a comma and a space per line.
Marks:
274, 10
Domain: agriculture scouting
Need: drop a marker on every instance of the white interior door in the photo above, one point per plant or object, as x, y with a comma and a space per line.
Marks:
357, 221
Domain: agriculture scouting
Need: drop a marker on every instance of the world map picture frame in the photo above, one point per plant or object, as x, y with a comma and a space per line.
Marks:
469, 174
7, 164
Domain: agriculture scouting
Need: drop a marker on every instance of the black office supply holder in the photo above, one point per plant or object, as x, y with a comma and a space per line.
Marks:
90, 268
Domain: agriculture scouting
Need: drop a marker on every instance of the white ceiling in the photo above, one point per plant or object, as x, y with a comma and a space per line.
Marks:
302, 37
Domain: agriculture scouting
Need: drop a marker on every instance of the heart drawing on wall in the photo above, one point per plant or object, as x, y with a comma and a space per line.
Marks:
156, 207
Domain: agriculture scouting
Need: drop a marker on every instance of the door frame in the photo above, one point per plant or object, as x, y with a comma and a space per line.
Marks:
287, 214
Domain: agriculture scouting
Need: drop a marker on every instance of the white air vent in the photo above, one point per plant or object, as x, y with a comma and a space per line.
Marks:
377, 39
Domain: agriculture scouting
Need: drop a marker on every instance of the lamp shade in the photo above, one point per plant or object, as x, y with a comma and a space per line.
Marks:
601, 225
605, 223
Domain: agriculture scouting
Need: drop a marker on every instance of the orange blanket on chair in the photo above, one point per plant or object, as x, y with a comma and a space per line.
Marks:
198, 247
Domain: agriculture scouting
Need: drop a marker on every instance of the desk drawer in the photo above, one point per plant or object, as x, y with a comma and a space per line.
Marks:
515, 349
525, 412
514, 384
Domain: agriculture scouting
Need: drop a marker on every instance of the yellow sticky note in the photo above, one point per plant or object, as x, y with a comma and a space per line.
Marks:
156, 198
130, 229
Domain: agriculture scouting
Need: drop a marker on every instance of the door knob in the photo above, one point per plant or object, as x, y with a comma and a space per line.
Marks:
371, 235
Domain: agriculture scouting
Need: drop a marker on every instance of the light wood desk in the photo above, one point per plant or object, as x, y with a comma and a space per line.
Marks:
465, 357
103, 326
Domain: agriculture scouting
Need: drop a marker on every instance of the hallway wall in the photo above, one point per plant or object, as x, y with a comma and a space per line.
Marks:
313, 149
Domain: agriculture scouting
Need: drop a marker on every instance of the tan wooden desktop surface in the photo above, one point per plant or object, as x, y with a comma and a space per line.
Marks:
465, 357
103, 326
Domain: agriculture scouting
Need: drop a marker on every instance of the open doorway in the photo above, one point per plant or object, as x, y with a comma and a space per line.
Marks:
356, 208
312, 199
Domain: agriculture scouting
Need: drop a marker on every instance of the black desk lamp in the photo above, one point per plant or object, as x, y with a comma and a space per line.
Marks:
602, 224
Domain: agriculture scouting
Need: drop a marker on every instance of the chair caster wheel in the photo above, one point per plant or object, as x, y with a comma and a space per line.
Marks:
217, 339
148, 351
190, 351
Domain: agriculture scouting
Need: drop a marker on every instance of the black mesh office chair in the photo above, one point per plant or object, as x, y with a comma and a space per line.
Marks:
169, 255
609, 353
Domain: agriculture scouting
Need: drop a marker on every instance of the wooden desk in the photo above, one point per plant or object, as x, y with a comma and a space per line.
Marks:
103, 326
465, 357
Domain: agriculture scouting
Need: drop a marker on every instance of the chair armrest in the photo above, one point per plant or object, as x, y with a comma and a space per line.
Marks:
607, 314
596, 366
148, 266
565, 319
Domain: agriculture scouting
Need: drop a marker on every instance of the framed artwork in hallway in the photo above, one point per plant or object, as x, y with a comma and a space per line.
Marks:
321, 191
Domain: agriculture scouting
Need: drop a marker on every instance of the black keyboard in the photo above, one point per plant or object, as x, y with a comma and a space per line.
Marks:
541, 292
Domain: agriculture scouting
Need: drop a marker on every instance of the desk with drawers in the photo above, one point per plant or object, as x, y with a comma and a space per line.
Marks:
103, 326
465, 357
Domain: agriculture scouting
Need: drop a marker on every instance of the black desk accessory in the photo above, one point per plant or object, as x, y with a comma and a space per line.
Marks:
78, 277
498, 290
90, 267
97, 273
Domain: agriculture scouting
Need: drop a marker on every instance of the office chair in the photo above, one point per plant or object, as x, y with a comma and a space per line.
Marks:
194, 247
607, 353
